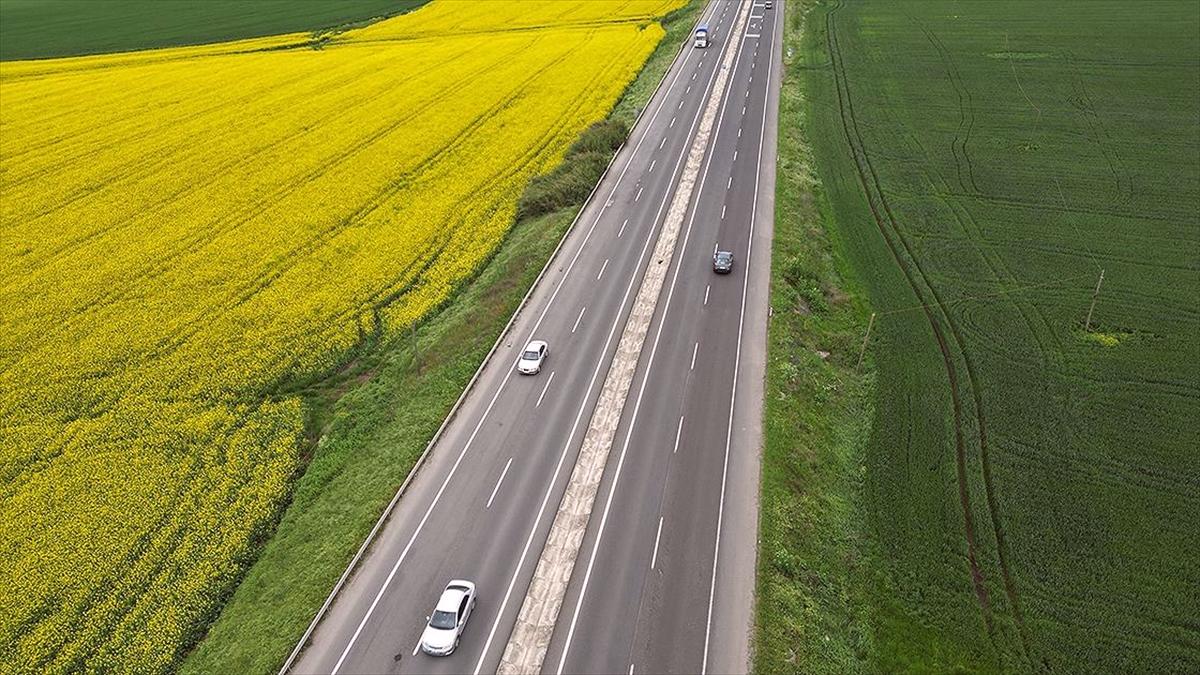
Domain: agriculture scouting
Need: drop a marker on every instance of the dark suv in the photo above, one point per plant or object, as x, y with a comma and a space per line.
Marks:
723, 262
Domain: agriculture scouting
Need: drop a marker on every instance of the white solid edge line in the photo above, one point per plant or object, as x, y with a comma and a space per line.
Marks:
737, 358
497, 488
554, 478
544, 390
550, 302
645, 379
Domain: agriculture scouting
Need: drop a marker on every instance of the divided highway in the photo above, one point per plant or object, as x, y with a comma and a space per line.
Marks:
664, 578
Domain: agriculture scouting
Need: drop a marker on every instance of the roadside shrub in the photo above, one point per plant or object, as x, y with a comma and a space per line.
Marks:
572, 181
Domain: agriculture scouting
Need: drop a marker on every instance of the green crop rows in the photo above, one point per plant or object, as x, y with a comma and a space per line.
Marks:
1030, 485
34, 29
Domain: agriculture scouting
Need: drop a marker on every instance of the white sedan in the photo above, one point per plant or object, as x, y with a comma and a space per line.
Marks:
533, 356
449, 618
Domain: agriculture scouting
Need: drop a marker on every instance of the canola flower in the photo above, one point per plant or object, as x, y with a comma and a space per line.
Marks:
186, 233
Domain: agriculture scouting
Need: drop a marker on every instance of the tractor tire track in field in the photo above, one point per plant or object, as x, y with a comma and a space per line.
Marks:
388, 295
1061, 208
421, 264
966, 110
403, 182
976, 239
855, 144
146, 547
299, 87
581, 25
119, 133
918, 282
1122, 189
167, 200
175, 341
235, 220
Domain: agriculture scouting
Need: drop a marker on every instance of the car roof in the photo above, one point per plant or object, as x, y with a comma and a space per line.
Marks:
451, 597
724, 254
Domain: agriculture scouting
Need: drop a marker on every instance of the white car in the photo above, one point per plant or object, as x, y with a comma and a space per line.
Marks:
449, 618
533, 356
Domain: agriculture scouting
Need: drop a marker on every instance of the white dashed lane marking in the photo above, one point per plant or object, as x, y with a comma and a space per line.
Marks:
494, 491
542, 396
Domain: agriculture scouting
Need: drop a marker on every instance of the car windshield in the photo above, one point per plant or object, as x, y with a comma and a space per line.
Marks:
442, 619
531, 355
723, 257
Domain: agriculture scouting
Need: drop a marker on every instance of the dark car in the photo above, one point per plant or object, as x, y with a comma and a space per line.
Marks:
723, 262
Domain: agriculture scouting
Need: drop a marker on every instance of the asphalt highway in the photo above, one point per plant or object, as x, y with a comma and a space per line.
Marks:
665, 576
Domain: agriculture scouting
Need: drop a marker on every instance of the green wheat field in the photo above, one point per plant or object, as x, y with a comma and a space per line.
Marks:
1024, 491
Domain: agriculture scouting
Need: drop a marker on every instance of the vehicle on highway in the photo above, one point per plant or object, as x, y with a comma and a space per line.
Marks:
767, 4
701, 37
531, 359
449, 618
723, 262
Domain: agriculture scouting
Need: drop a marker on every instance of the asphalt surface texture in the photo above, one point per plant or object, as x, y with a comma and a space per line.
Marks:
664, 579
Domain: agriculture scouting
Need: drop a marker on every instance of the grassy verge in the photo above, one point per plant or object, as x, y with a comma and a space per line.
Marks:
38, 29
368, 424
817, 412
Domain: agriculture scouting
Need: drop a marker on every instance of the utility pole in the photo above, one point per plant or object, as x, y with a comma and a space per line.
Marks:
1087, 324
862, 352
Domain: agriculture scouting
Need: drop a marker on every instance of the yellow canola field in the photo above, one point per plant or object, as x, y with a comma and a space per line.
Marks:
185, 237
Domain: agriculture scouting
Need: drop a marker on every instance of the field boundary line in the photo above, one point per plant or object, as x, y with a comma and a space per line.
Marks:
450, 416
